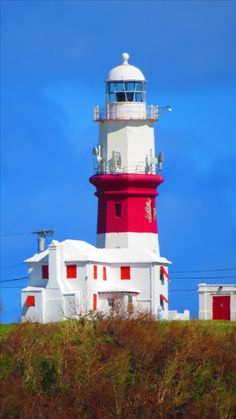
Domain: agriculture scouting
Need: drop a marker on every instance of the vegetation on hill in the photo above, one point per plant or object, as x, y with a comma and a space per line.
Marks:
119, 368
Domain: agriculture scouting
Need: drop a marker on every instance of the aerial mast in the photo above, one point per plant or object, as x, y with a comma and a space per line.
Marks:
42, 234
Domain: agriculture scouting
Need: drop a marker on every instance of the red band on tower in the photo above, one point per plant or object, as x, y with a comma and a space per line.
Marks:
126, 202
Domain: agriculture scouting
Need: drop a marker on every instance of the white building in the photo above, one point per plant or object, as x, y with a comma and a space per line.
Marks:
217, 301
75, 277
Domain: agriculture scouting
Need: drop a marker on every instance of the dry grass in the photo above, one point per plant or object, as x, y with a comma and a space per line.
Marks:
119, 368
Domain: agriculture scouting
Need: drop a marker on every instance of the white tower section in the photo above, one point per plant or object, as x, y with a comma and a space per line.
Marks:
126, 134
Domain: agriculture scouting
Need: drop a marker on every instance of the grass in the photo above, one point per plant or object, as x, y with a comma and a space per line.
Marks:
119, 368
5, 329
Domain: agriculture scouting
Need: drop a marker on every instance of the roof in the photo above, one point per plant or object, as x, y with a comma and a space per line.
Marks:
80, 251
125, 71
117, 290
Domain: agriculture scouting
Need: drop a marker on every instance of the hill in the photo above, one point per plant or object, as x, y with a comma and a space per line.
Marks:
118, 368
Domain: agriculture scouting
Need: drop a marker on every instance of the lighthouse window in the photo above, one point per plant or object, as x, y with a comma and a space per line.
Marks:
120, 97
118, 209
130, 86
130, 96
139, 97
126, 91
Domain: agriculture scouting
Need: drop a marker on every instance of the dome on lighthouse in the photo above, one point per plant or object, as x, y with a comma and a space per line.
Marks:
125, 71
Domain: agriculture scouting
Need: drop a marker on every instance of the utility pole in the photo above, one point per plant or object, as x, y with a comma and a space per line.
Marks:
42, 234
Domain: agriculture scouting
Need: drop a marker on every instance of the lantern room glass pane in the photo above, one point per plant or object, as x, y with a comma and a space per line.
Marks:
130, 96
139, 86
129, 86
112, 97
139, 97
111, 87
120, 97
119, 87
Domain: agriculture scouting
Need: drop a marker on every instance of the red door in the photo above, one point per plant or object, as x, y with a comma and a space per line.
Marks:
221, 307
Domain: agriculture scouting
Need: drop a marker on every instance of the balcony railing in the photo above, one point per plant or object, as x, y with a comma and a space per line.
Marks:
108, 169
126, 112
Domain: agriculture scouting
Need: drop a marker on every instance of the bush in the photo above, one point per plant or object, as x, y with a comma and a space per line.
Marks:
119, 368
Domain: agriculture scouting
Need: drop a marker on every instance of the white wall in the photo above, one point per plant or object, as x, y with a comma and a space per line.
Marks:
133, 140
132, 240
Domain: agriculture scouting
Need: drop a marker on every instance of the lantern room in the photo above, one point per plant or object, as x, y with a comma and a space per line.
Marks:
125, 95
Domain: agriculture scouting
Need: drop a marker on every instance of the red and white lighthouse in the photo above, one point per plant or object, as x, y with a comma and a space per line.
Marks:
128, 171
126, 264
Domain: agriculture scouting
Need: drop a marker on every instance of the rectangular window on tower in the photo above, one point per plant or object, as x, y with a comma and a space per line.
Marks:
125, 272
71, 271
118, 209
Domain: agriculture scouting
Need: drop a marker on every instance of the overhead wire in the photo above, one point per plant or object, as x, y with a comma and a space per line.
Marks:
14, 279
200, 277
203, 270
14, 234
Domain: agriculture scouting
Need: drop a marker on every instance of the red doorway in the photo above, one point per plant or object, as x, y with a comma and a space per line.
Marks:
221, 307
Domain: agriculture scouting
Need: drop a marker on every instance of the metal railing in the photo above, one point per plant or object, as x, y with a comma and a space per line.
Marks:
107, 169
103, 113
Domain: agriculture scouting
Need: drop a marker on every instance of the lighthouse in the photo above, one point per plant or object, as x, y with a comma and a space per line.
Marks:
128, 170
73, 277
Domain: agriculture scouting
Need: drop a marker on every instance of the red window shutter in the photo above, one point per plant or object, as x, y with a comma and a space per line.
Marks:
164, 298
94, 301
95, 272
30, 301
45, 271
71, 271
164, 271
125, 272
104, 273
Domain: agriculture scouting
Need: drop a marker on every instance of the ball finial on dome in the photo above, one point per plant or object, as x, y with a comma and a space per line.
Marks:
125, 57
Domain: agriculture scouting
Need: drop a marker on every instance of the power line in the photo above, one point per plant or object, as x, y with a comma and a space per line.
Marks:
14, 234
203, 270
14, 279
12, 266
192, 289
200, 277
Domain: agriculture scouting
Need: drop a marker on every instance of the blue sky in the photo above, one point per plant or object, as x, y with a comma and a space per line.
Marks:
54, 60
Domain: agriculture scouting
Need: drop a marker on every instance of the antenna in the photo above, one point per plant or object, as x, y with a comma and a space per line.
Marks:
160, 160
42, 234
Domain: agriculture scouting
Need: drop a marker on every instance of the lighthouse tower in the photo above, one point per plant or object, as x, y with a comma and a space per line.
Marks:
128, 172
72, 276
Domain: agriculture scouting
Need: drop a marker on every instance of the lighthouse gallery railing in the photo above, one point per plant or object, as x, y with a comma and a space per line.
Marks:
104, 113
